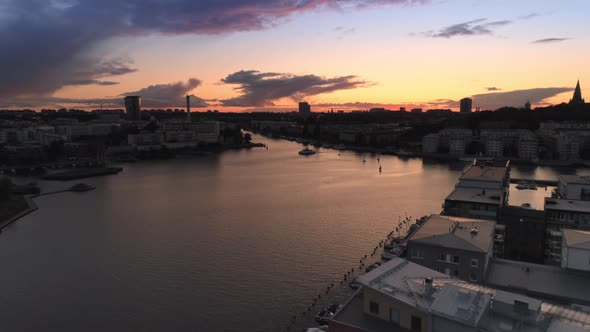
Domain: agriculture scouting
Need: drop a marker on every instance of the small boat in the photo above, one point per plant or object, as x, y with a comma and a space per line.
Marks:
526, 185
327, 314
372, 267
354, 284
307, 152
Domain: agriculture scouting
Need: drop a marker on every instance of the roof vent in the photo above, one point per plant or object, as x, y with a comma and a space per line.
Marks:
474, 231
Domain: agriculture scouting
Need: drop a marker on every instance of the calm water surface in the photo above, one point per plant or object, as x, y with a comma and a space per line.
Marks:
233, 242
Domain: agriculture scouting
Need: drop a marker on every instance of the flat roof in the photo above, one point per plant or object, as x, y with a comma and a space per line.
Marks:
455, 232
485, 173
574, 179
475, 195
577, 238
567, 205
545, 281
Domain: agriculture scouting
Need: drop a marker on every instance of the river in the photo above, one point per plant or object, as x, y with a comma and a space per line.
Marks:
238, 241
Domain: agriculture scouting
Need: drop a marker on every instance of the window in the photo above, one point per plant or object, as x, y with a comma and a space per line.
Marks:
473, 276
374, 307
416, 323
440, 269
455, 259
417, 253
455, 273
474, 262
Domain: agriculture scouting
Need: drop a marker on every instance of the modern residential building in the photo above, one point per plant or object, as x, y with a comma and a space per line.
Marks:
487, 175
458, 247
466, 105
494, 148
567, 213
576, 250
528, 147
474, 203
573, 187
524, 233
403, 296
133, 108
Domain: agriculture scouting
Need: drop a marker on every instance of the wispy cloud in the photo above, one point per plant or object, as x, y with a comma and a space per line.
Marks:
549, 40
262, 89
471, 28
493, 88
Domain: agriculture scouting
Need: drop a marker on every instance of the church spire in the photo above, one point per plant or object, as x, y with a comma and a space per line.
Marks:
577, 98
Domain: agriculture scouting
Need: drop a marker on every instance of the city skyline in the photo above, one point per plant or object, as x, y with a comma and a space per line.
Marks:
270, 55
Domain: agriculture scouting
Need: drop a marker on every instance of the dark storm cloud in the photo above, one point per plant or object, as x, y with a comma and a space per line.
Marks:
49, 44
549, 40
471, 28
261, 89
516, 98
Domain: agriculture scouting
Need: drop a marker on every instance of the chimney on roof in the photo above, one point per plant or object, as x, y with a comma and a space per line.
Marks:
428, 286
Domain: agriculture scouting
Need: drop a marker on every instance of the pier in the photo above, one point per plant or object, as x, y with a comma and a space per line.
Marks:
540, 183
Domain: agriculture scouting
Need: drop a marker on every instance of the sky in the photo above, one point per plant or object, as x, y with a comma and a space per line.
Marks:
236, 55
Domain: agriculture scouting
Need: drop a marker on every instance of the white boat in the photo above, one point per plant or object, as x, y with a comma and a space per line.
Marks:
307, 152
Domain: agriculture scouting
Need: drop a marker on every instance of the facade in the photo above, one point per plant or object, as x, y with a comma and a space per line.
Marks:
457, 247
576, 250
474, 203
403, 296
133, 108
565, 213
574, 187
524, 233
430, 143
457, 146
528, 147
494, 148
466, 104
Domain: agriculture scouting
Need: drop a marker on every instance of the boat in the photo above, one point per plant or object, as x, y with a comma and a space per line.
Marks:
372, 267
403, 153
327, 314
307, 152
522, 185
355, 284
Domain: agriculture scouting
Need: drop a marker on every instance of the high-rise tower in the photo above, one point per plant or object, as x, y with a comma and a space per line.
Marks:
188, 108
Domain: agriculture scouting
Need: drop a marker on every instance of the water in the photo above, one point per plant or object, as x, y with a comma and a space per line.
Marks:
235, 242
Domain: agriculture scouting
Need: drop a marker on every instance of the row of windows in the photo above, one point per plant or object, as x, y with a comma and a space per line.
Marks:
455, 273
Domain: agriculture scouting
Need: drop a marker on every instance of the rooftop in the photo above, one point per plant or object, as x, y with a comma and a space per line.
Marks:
452, 299
544, 281
475, 195
577, 238
485, 173
455, 232
575, 179
567, 205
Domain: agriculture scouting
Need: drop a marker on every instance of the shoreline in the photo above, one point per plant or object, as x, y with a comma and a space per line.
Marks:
31, 206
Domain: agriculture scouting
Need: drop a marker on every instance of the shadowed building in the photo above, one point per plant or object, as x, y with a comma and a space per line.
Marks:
466, 105
304, 108
133, 108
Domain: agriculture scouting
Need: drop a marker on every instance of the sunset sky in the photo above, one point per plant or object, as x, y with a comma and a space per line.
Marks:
268, 54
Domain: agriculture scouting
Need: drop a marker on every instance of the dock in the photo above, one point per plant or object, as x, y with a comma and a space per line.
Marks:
540, 183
